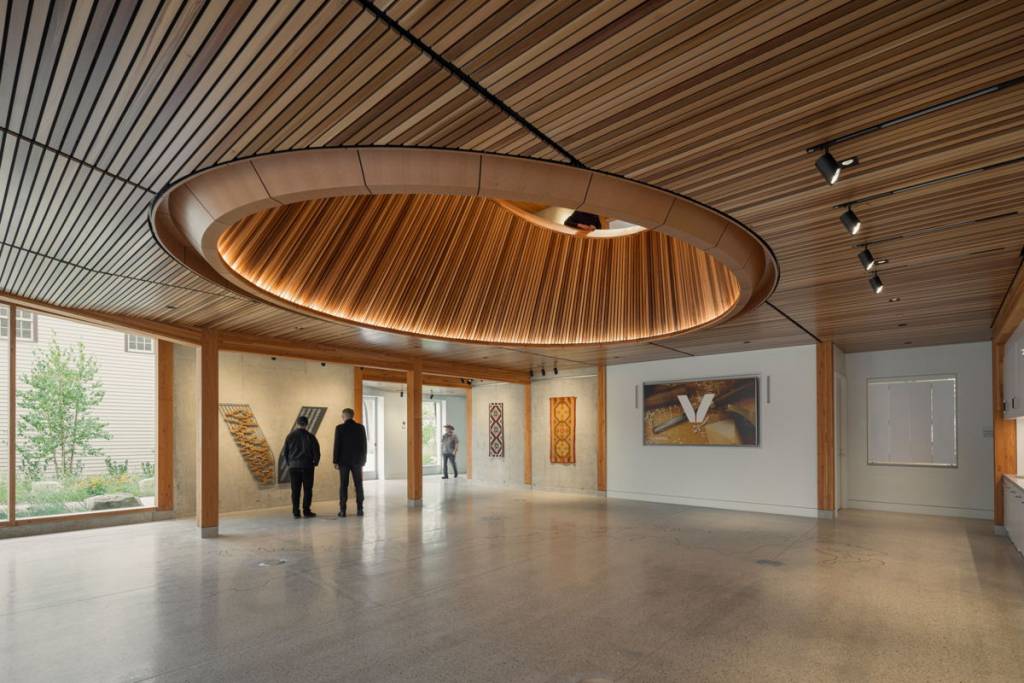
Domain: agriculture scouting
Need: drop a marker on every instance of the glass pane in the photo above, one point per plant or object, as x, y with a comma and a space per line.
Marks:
431, 435
370, 424
4, 408
86, 420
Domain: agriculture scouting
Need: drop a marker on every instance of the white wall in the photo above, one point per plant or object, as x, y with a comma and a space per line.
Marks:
507, 470
778, 476
583, 474
393, 444
964, 491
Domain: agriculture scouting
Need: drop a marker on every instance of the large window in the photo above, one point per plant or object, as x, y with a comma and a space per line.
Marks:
912, 421
86, 418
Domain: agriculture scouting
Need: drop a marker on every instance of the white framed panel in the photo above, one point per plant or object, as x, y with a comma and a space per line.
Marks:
912, 421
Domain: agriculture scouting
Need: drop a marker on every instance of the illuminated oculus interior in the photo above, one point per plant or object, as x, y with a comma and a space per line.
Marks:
469, 269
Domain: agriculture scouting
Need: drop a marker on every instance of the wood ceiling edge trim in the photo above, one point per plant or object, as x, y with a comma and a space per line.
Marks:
191, 214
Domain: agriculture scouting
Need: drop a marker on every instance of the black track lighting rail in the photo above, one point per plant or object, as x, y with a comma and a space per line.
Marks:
936, 229
929, 183
930, 109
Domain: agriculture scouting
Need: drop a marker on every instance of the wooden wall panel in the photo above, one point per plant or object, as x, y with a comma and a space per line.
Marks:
414, 435
826, 426
165, 425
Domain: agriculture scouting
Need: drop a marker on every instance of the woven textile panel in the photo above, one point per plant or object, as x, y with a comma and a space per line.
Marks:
563, 429
252, 445
496, 430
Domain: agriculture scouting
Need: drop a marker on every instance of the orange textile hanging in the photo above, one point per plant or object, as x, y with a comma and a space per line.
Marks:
563, 429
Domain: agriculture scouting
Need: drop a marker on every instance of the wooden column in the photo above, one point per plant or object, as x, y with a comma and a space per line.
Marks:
414, 434
164, 425
357, 392
1004, 434
207, 475
602, 428
12, 410
826, 428
469, 433
527, 436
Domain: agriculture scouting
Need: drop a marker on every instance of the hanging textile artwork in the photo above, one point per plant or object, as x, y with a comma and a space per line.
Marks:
252, 445
496, 430
563, 430
315, 415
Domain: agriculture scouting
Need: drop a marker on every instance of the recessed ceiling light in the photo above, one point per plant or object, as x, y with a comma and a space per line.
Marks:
908, 342
881, 261
893, 299
902, 325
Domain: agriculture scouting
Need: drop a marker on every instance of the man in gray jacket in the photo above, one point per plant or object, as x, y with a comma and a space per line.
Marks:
302, 455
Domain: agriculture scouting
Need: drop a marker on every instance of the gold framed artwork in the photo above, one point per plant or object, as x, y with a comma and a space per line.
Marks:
563, 429
702, 412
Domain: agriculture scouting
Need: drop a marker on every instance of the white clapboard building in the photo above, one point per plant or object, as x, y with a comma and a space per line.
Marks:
127, 368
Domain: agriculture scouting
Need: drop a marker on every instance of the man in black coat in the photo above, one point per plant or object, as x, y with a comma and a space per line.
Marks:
302, 455
349, 458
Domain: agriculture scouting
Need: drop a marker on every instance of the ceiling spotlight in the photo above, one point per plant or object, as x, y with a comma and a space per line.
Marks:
583, 221
431, 395
531, 372
850, 222
876, 284
866, 259
893, 299
556, 369
828, 167
543, 373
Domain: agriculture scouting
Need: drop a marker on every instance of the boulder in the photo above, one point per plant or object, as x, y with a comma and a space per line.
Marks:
46, 486
147, 487
112, 501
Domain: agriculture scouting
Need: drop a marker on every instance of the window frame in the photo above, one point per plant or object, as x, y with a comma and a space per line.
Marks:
911, 380
128, 343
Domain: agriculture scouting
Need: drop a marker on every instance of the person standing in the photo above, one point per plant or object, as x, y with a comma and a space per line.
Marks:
349, 458
449, 447
302, 455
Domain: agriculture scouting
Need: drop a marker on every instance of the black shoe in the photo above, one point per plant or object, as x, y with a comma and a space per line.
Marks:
444, 477
309, 513
295, 514
359, 512
342, 514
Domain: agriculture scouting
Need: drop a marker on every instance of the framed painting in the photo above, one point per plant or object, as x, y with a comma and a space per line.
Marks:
721, 411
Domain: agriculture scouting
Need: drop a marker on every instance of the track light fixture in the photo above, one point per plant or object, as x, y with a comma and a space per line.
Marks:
876, 284
431, 395
850, 221
531, 373
543, 373
556, 369
830, 168
866, 259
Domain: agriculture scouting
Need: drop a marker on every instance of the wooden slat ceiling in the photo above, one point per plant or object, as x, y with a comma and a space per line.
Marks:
104, 103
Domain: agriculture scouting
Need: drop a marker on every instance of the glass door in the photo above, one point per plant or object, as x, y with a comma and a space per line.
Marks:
433, 423
371, 421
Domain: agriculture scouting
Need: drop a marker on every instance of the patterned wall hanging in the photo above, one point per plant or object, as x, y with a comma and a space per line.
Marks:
249, 439
563, 429
496, 430
315, 415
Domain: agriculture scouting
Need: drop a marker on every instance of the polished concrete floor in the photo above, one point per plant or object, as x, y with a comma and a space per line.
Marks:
488, 584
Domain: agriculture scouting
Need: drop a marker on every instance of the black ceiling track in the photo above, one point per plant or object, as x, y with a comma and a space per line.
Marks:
92, 167
465, 78
784, 315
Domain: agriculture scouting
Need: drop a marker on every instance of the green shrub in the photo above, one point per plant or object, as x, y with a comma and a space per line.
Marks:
116, 469
147, 470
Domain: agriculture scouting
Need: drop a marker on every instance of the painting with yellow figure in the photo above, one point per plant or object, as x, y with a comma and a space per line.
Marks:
702, 412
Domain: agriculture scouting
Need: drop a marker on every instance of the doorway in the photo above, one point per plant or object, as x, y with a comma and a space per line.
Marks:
434, 419
372, 421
